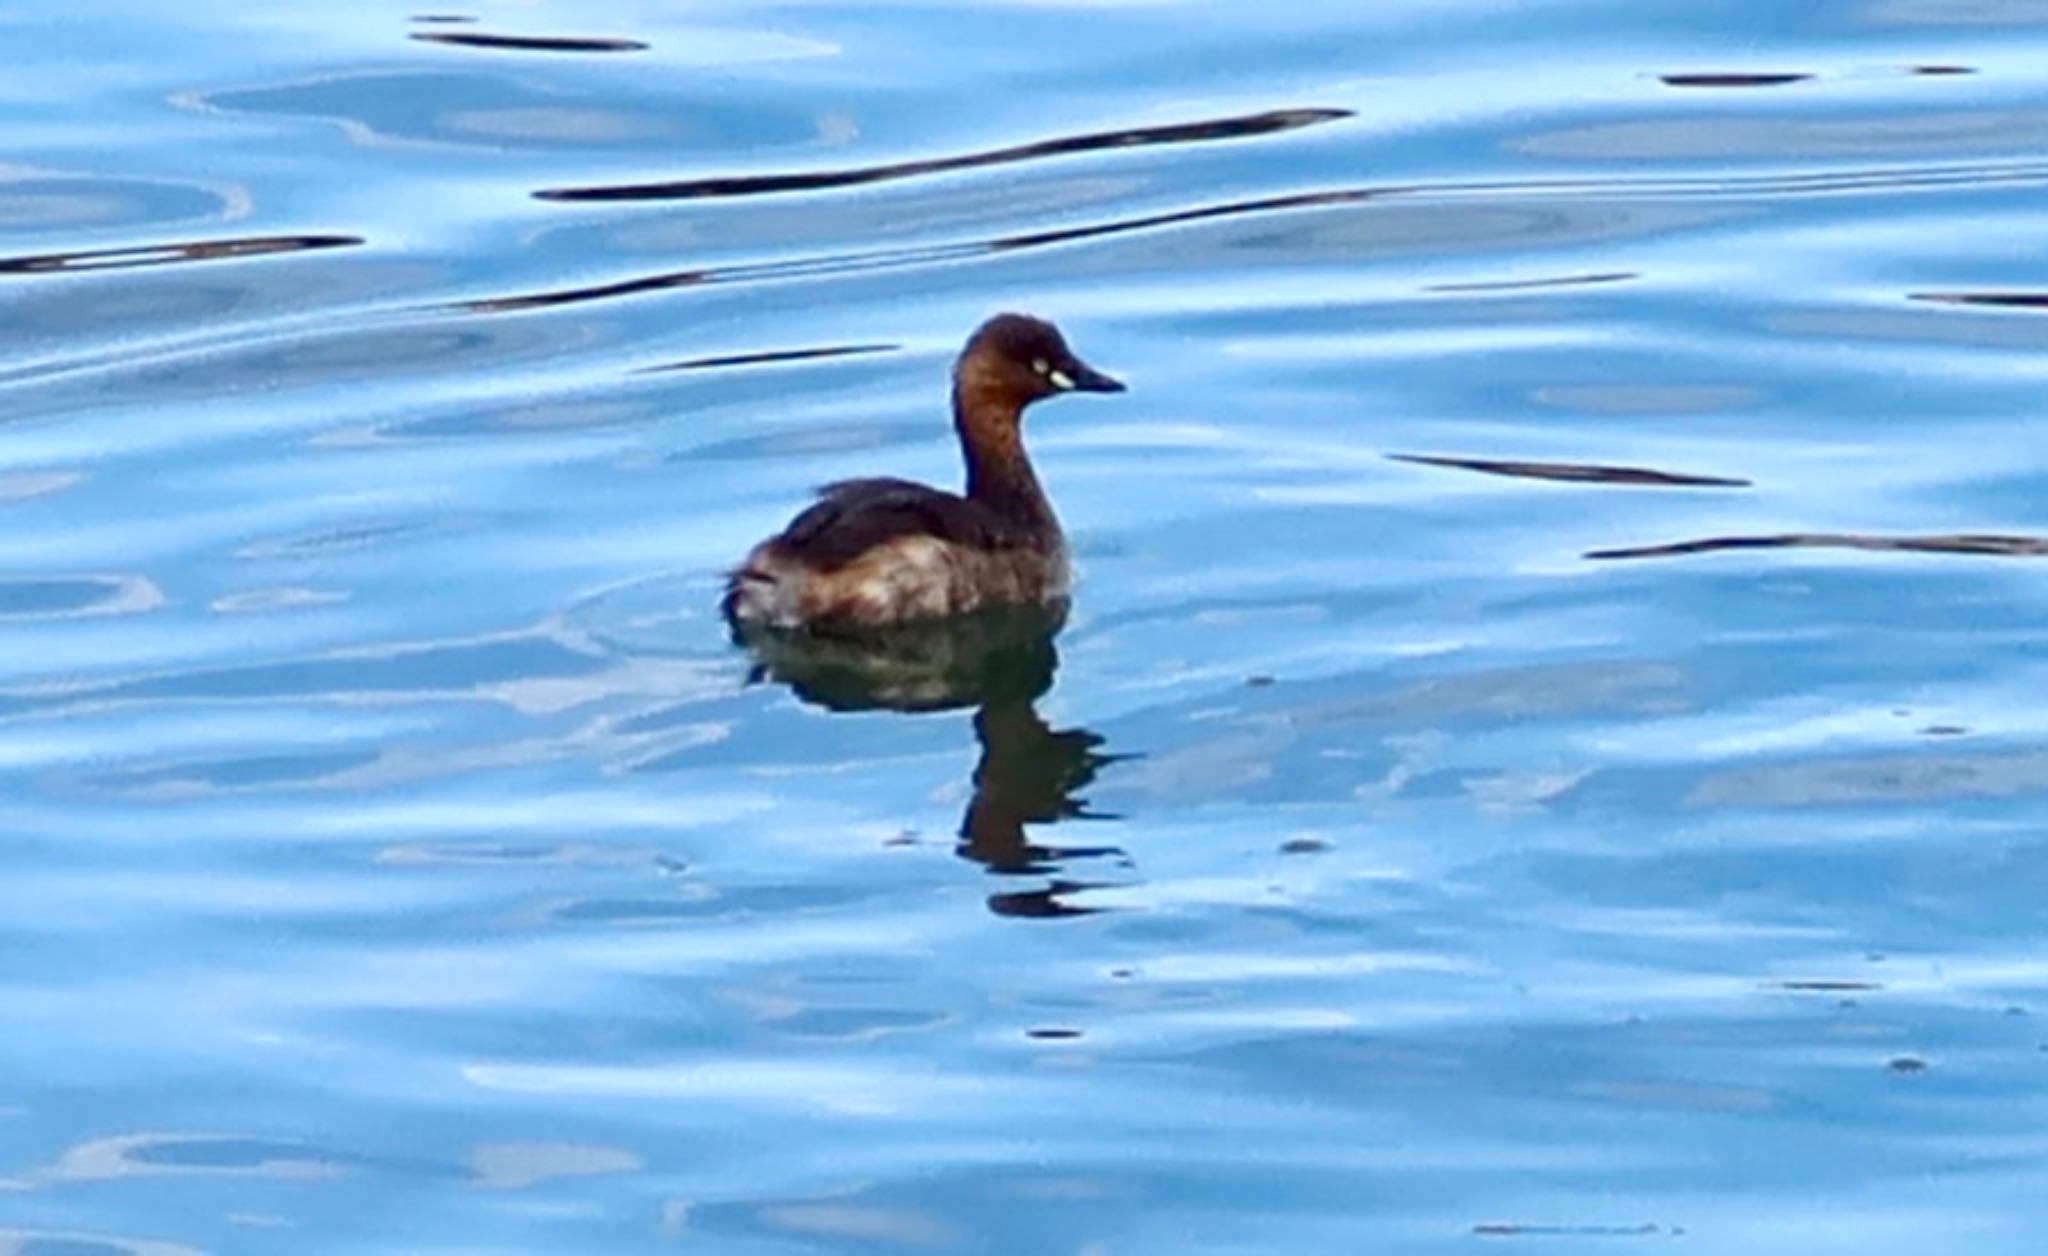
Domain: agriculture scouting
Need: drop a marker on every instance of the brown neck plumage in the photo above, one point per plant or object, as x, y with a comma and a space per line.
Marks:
988, 418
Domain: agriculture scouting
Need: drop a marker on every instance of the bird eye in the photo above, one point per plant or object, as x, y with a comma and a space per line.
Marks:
1040, 365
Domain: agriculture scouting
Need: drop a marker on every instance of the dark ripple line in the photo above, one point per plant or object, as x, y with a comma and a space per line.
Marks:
1247, 125
529, 43
1511, 1229
876, 259
2010, 300
168, 254
1526, 285
571, 296
1574, 472
1282, 120
1981, 544
1734, 79
1881, 178
881, 258
768, 356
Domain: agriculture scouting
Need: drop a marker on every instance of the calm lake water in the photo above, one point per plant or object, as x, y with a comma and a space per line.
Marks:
1618, 822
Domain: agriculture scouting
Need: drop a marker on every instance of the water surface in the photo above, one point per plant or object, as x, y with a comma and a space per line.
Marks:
1541, 754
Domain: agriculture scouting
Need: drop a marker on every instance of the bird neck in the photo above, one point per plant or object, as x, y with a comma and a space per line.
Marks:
999, 473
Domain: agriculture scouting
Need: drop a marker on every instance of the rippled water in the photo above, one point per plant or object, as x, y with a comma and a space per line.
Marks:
1543, 754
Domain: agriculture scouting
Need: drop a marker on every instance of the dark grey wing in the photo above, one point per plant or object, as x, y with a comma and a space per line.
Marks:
851, 517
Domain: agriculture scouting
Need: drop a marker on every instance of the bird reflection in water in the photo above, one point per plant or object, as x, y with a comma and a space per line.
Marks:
999, 663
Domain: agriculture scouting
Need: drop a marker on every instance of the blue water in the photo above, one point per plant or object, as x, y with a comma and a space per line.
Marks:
399, 858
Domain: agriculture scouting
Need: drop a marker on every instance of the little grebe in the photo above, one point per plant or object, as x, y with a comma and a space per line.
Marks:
876, 552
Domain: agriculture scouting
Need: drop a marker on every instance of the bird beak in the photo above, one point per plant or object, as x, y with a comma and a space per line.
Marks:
1080, 377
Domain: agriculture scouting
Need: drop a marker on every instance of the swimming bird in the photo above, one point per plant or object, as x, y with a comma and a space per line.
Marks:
870, 553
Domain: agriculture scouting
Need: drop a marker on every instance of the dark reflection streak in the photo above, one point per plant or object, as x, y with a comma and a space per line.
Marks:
1881, 178
442, 19
814, 267
1997, 300
597, 292
755, 185
776, 355
1304, 200
1982, 545
1522, 285
795, 268
1942, 70
879, 259
1891, 179
1494, 1229
528, 43
1834, 180
167, 254
1574, 472
1732, 80
1000, 663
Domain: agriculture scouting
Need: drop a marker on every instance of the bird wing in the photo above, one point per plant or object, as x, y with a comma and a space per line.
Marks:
851, 517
